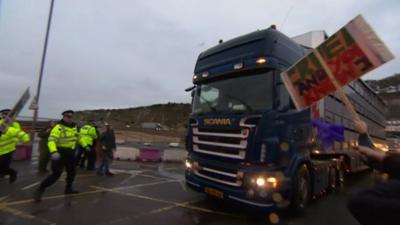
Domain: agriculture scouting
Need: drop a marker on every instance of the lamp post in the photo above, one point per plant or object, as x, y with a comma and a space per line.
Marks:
36, 109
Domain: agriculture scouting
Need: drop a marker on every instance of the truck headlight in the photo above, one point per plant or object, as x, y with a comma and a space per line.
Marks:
269, 182
272, 181
188, 164
260, 181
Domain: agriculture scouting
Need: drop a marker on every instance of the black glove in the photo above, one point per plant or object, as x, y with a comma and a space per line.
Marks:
55, 156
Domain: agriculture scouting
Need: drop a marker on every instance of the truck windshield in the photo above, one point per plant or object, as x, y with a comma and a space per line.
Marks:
245, 93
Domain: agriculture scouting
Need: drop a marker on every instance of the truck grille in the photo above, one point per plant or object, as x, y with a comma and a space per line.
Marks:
223, 176
222, 143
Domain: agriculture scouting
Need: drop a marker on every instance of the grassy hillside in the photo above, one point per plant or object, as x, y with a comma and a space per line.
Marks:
393, 80
392, 99
172, 116
393, 105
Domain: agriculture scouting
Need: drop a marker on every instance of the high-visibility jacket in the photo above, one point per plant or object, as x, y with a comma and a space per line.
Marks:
16, 125
88, 134
63, 136
10, 138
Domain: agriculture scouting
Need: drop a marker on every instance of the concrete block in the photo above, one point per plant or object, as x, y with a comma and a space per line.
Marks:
126, 153
149, 154
120, 141
174, 155
174, 145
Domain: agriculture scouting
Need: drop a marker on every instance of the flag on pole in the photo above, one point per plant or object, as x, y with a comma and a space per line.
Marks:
328, 133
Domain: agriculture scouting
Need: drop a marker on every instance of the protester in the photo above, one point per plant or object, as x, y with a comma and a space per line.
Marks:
380, 204
108, 146
44, 153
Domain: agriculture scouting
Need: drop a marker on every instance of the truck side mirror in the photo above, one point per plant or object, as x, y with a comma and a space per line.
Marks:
190, 88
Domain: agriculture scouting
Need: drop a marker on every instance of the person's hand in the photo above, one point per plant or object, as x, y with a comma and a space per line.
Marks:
55, 156
375, 155
361, 126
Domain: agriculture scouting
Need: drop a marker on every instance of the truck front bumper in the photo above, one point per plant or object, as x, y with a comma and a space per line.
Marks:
238, 195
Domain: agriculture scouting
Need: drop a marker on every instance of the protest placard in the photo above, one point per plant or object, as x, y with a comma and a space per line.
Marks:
345, 56
15, 111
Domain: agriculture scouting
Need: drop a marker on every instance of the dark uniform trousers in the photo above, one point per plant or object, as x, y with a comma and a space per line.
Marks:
382, 200
67, 161
81, 156
91, 156
44, 155
5, 161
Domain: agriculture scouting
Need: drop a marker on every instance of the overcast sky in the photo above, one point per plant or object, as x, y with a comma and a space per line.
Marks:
127, 53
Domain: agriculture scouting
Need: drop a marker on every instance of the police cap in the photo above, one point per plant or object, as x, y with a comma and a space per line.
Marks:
5, 111
68, 113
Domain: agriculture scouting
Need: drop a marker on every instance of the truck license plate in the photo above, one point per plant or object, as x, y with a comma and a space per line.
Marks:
214, 192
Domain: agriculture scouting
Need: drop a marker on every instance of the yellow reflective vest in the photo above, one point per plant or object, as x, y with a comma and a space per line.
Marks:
16, 125
11, 137
87, 134
63, 136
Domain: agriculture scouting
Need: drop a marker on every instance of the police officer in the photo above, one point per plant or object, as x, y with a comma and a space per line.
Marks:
62, 144
4, 113
8, 142
88, 135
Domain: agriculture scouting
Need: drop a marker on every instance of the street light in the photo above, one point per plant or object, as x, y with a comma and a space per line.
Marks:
36, 109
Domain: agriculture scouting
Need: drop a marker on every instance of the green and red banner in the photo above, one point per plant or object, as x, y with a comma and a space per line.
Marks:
349, 53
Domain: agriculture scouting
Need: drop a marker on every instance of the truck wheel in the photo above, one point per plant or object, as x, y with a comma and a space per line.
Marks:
301, 190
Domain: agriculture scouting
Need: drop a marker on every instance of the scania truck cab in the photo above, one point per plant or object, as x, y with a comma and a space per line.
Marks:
246, 142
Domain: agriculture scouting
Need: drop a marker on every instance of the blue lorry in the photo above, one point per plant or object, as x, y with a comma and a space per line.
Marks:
248, 144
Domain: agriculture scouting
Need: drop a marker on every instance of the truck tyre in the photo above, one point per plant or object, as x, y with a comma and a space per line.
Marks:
301, 189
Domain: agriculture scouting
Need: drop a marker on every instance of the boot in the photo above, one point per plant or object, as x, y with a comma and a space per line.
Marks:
37, 195
13, 177
108, 173
69, 190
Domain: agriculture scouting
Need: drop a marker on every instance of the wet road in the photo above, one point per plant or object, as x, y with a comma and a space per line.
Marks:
147, 193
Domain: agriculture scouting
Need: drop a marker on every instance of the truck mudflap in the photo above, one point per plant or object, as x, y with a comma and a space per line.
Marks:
239, 196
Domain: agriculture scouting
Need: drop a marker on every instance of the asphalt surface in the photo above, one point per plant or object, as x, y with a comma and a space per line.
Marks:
148, 193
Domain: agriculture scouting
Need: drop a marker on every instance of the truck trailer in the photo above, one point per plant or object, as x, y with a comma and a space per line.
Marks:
248, 144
